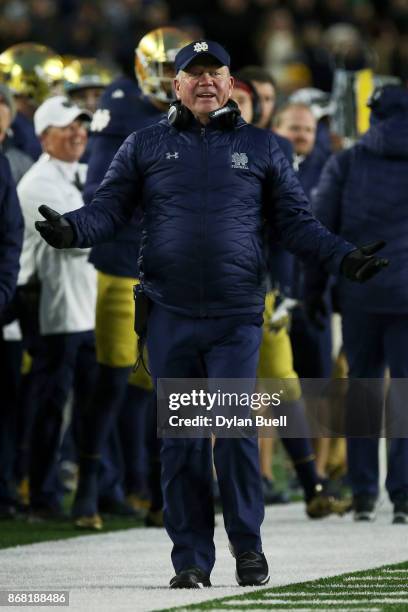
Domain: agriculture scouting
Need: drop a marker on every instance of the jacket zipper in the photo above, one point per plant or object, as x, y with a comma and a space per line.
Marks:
203, 311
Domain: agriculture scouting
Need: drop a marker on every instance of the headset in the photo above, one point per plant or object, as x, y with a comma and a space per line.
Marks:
180, 117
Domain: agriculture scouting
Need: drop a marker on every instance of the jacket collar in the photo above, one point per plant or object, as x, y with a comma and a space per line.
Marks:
212, 126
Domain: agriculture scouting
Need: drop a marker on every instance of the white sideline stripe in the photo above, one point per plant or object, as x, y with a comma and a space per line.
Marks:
129, 571
327, 593
320, 602
372, 578
395, 571
355, 586
286, 609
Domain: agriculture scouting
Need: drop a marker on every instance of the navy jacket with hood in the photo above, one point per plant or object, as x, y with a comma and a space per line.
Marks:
363, 196
11, 234
206, 193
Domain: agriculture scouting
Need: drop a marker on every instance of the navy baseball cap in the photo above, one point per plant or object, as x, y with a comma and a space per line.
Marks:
201, 48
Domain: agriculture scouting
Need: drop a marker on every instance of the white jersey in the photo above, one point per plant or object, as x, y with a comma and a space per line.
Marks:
68, 280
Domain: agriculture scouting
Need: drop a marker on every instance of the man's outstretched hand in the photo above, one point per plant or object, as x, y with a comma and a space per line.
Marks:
56, 230
360, 265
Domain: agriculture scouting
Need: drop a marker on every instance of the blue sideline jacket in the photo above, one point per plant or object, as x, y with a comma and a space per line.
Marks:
11, 234
363, 196
205, 193
24, 136
121, 112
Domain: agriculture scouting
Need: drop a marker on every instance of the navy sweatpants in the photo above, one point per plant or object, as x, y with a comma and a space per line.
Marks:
373, 342
10, 379
181, 347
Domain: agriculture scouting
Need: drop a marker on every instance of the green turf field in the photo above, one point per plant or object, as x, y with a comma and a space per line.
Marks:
17, 532
385, 588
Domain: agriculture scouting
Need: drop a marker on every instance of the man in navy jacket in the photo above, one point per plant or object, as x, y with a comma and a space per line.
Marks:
11, 240
11, 234
362, 195
207, 182
122, 111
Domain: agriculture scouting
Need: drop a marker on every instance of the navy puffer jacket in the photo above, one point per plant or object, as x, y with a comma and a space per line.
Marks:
363, 196
206, 193
11, 234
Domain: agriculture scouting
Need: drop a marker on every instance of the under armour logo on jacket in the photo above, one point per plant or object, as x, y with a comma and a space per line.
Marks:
240, 161
172, 155
200, 46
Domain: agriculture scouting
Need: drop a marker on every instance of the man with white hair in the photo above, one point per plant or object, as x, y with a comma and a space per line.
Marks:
207, 182
64, 352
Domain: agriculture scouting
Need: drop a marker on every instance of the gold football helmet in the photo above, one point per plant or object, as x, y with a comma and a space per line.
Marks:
31, 70
83, 72
154, 61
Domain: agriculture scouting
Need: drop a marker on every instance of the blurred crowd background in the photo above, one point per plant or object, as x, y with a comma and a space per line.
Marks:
299, 41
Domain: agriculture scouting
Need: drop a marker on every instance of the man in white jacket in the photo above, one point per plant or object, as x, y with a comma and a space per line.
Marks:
63, 352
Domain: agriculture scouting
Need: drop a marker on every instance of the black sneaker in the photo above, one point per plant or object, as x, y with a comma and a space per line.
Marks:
193, 578
400, 512
364, 508
251, 568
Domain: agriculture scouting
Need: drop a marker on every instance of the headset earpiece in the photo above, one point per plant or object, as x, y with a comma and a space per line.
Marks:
226, 115
178, 115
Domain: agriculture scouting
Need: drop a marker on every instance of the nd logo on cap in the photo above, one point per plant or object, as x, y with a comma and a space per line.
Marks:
200, 46
188, 54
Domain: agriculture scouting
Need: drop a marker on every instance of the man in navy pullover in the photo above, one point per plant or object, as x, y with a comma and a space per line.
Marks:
207, 184
11, 240
362, 194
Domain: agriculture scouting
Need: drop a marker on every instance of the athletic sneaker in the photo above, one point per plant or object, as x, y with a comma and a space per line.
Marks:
193, 578
364, 508
321, 504
85, 513
251, 568
401, 512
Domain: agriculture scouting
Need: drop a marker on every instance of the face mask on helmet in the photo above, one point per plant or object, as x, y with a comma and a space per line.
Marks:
154, 62
31, 70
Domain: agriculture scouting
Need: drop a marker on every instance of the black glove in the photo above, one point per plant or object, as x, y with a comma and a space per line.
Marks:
360, 265
56, 230
316, 310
